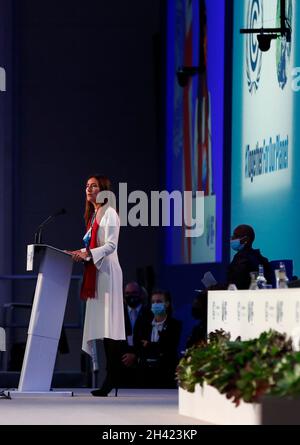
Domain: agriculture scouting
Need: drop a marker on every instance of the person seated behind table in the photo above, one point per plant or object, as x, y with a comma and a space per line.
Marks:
137, 315
199, 312
158, 354
246, 259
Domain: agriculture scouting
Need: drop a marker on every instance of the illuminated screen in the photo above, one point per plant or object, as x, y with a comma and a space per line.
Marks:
265, 129
195, 123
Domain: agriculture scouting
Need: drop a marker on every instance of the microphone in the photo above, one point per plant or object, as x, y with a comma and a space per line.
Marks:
38, 233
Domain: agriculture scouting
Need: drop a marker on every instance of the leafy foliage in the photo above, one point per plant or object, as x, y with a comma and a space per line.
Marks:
243, 370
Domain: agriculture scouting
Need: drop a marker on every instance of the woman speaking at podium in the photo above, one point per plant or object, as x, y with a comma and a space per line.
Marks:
102, 286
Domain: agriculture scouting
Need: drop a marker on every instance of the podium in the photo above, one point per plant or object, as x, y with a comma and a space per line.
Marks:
46, 321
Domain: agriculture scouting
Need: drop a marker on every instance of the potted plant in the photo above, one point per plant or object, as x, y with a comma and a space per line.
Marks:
243, 372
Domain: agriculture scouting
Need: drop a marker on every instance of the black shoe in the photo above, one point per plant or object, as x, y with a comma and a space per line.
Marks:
103, 392
105, 389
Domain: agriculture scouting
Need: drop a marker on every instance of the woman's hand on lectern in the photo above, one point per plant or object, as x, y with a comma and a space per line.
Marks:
78, 255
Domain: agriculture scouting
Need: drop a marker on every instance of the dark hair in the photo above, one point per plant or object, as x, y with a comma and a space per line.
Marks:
246, 230
104, 184
167, 296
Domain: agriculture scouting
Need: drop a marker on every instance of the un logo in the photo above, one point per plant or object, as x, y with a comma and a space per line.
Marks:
253, 53
283, 47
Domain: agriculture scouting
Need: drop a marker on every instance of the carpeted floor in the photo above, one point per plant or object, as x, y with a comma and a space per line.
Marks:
131, 407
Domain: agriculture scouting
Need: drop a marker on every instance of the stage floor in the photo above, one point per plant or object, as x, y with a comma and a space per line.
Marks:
131, 407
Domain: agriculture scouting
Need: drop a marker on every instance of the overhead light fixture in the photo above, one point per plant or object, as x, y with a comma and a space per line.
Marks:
264, 41
185, 72
266, 35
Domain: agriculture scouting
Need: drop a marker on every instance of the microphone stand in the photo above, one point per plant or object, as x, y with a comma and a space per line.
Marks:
38, 237
38, 233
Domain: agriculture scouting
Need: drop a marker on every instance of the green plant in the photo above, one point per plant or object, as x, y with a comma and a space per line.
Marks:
243, 370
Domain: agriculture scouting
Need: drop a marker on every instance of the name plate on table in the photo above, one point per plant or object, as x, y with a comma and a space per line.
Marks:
30, 257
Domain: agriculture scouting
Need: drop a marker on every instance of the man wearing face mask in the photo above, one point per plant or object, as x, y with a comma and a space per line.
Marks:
159, 356
137, 315
246, 259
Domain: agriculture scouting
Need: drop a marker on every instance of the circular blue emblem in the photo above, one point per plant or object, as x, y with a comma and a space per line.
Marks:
253, 53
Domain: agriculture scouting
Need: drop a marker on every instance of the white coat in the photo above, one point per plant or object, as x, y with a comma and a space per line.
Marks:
104, 316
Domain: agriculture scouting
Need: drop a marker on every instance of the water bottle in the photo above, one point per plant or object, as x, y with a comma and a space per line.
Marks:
282, 282
261, 282
232, 286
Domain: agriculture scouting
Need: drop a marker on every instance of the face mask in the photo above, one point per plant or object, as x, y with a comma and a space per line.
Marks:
158, 308
236, 245
133, 300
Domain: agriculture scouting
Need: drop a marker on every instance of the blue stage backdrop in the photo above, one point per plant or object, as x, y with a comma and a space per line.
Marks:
266, 131
195, 37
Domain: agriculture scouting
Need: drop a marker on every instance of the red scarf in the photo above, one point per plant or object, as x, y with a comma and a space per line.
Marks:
88, 288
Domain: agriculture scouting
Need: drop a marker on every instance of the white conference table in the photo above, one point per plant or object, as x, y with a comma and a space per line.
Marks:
247, 313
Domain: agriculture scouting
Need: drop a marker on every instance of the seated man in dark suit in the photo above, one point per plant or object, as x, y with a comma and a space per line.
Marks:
137, 315
246, 259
